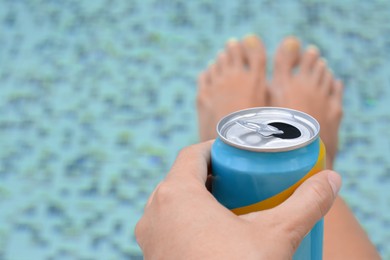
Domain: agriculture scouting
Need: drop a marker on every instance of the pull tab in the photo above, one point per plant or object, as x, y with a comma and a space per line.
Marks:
262, 129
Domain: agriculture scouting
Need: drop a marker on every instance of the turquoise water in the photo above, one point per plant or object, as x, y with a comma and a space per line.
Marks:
97, 97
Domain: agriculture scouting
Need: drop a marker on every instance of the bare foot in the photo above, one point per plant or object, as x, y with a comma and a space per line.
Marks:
311, 89
235, 81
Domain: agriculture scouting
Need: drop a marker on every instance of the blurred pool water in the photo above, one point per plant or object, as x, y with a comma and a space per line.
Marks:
97, 97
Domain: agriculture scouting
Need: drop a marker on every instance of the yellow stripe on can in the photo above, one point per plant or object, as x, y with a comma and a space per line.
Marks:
282, 196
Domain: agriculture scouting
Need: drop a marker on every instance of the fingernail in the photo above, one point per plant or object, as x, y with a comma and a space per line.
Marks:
334, 180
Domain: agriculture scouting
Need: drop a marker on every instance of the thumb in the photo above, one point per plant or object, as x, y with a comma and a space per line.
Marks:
310, 202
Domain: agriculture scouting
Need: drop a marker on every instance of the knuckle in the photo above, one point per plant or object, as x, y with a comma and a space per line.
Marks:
187, 151
164, 194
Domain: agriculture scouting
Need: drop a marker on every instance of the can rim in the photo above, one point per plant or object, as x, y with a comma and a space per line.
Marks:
296, 113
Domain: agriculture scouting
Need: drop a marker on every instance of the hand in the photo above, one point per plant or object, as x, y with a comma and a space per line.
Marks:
182, 220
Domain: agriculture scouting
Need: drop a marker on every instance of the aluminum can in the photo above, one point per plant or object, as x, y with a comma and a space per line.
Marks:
260, 157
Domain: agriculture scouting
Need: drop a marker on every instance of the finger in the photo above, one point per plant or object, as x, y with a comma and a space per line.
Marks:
309, 203
192, 162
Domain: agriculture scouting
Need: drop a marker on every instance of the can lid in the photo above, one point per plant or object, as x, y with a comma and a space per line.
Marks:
268, 129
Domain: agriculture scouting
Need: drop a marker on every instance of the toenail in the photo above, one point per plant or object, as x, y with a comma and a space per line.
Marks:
322, 63
232, 42
250, 35
251, 40
313, 49
291, 44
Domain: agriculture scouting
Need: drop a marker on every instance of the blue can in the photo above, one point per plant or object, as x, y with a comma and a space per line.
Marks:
260, 157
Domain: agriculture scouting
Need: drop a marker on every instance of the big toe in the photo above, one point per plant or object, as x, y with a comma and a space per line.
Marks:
287, 57
255, 56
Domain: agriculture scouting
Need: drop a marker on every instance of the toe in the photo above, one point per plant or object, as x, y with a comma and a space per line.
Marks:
203, 85
337, 91
222, 63
309, 59
203, 80
318, 72
337, 98
327, 82
213, 73
254, 52
234, 53
287, 57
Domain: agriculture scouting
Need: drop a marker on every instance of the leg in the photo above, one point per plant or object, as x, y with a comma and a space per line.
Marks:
311, 89
235, 81
303, 82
